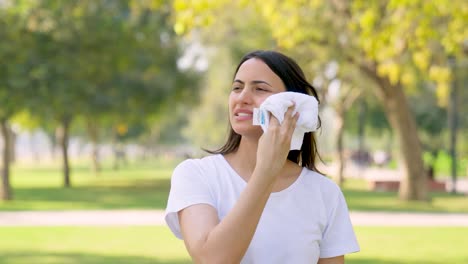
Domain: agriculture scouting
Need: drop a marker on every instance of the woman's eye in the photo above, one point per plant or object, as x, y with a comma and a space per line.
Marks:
236, 88
262, 90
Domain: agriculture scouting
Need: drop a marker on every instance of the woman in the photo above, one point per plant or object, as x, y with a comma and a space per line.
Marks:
253, 200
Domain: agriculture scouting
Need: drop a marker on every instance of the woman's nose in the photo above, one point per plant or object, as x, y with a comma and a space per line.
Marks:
245, 96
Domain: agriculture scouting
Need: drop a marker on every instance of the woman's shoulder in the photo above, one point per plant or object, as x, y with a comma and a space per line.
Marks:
197, 165
200, 162
323, 182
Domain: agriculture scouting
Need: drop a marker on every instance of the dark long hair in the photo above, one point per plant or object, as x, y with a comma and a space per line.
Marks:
294, 80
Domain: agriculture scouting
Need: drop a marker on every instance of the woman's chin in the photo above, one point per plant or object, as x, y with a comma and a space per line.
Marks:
252, 131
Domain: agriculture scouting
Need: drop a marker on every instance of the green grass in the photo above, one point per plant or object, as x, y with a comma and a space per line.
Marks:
90, 245
137, 186
145, 245
145, 185
418, 245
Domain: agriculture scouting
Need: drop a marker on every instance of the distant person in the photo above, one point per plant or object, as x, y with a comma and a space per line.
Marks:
253, 200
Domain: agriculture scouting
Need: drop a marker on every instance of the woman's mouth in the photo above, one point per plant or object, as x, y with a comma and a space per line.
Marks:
244, 115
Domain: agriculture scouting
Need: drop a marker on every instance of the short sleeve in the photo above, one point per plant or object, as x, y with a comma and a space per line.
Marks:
188, 187
338, 237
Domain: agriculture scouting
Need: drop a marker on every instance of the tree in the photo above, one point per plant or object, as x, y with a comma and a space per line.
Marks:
342, 103
219, 49
212, 110
102, 61
14, 86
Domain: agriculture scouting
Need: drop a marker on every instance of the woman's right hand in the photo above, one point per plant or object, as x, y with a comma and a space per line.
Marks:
274, 144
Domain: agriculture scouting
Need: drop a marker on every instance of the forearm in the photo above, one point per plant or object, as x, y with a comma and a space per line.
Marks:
229, 240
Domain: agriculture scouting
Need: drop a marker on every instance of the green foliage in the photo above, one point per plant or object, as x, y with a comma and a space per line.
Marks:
404, 40
102, 62
208, 123
224, 46
374, 116
442, 163
14, 87
404, 37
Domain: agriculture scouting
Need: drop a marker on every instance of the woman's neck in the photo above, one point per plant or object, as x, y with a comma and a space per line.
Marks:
244, 159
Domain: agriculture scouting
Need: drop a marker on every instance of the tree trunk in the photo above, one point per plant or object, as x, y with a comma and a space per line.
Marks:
413, 185
93, 135
120, 156
11, 145
116, 158
431, 173
453, 127
36, 155
115, 150
361, 125
5, 191
63, 138
53, 142
340, 147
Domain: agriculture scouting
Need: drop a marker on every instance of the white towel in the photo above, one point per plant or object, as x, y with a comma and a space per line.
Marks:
278, 104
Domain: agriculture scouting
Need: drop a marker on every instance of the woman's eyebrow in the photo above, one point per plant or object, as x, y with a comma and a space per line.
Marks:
257, 81
253, 82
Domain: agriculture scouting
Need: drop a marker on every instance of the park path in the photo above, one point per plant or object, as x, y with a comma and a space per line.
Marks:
156, 217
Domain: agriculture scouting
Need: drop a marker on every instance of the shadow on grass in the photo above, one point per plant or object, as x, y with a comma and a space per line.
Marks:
135, 194
36, 257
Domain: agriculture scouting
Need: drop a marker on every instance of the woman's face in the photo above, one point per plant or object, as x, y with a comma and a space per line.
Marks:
253, 83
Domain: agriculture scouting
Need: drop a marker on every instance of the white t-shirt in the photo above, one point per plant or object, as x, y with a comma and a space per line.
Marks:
300, 224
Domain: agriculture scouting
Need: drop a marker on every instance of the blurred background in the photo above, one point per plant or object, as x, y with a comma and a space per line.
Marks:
99, 100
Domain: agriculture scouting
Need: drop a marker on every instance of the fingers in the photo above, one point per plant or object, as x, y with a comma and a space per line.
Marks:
276, 142
290, 120
273, 121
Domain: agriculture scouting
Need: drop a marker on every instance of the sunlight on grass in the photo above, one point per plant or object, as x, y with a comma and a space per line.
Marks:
401, 245
91, 245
